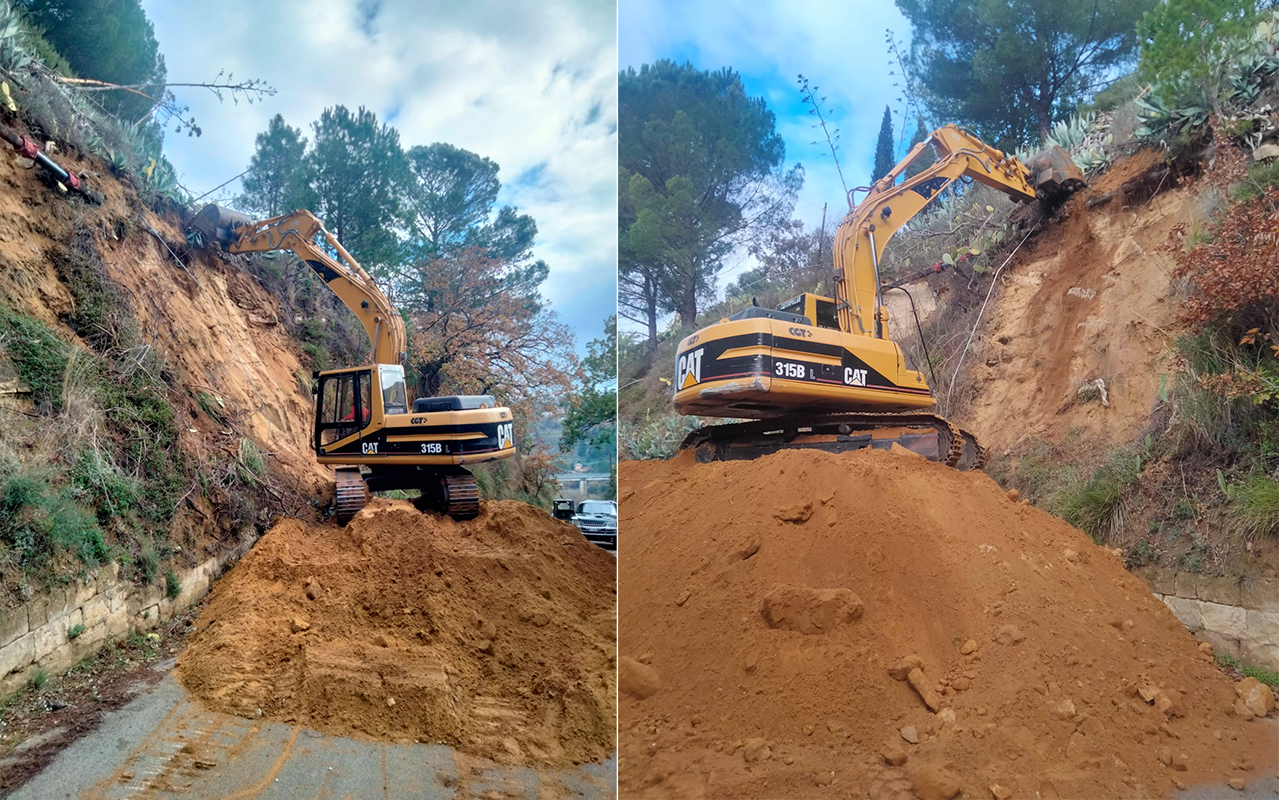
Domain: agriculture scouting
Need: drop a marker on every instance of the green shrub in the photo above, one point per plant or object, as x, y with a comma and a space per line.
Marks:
1096, 506
172, 586
148, 561
75, 630
39, 679
1254, 507
1260, 180
39, 356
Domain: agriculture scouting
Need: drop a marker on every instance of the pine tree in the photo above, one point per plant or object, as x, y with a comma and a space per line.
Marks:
275, 183
884, 148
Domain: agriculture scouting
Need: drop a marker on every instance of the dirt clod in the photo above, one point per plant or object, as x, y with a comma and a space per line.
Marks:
808, 610
637, 680
932, 782
894, 755
362, 669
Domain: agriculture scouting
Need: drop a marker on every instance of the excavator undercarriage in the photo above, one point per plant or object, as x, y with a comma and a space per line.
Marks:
928, 435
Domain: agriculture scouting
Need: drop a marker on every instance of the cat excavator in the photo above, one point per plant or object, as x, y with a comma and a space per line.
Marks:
819, 372
364, 425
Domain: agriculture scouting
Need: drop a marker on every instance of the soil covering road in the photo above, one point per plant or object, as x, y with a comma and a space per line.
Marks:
495, 635
873, 624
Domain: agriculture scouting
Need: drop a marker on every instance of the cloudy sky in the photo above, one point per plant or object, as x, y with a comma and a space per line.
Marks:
838, 44
532, 86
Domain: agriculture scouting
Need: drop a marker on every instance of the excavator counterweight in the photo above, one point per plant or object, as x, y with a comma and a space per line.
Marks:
365, 427
819, 372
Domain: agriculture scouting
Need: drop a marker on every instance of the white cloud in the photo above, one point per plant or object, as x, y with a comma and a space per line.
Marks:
531, 86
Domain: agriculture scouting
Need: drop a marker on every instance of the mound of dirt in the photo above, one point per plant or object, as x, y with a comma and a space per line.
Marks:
495, 635
873, 624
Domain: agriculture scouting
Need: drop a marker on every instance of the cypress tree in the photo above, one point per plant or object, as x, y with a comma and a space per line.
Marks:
884, 148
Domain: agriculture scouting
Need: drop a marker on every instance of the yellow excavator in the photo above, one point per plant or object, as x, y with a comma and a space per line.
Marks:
818, 372
364, 425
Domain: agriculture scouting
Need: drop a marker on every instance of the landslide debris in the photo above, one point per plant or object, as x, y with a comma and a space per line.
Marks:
495, 635
994, 651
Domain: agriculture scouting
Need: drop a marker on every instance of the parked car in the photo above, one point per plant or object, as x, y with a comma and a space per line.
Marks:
597, 519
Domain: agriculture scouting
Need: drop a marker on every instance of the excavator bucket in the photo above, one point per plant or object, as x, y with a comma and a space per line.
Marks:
216, 223
1054, 175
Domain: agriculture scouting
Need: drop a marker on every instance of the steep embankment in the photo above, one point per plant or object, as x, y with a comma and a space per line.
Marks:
775, 608
1088, 298
216, 330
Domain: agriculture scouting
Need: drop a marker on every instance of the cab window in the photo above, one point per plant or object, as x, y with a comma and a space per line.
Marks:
826, 314
793, 306
344, 406
394, 398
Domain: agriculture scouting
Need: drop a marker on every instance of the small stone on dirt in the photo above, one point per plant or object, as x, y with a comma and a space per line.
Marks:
391, 702
824, 778
1257, 696
968, 647
312, 589
749, 549
931, 782
682, 598
1205, 647
961, 684
1237, 784
540, 620
918, 682
637, 680
1071, 555
894, 755
299, 625
902, 669
1180, 762
1013, 495
909, 735
381, 641
756, 751
1065, 710
1001, 792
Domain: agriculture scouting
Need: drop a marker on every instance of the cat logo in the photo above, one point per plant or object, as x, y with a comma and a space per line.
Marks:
504, 435
689, 369
855, 377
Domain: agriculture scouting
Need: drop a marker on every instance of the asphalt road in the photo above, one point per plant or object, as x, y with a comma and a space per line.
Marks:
163, 744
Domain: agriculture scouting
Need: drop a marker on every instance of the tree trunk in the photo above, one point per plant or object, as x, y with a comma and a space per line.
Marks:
688, 310
1042, 121
429, 379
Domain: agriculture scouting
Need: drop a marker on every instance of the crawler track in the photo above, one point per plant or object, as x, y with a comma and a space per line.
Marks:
931, 436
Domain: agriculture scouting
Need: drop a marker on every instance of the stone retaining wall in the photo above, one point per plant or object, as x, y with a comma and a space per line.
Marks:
1237, 614
36, 635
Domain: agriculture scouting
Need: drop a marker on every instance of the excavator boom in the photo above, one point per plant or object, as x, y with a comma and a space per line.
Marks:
296, 232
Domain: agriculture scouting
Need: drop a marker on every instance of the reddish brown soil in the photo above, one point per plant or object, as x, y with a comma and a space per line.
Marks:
935, 557
495, 635
1088, 297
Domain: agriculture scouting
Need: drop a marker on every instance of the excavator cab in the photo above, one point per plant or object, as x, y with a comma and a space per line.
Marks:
820, 310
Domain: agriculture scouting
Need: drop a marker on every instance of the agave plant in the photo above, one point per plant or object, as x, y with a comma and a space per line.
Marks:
13, 55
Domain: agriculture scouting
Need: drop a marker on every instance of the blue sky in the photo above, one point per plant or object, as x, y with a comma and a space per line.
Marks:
532, 86
839, 46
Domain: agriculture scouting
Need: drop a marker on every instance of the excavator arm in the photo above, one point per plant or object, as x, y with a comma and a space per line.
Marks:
296, 233
864, 232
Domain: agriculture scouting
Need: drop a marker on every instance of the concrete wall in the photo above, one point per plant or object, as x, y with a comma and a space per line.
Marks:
1237, 614
35, 634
